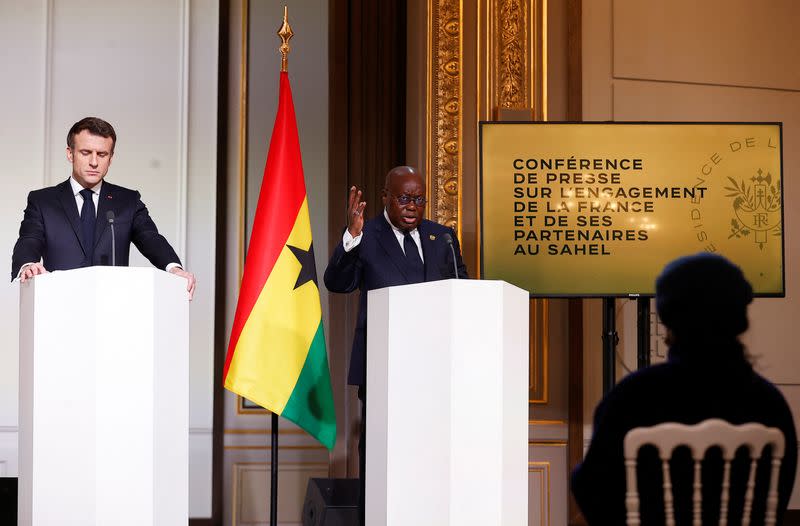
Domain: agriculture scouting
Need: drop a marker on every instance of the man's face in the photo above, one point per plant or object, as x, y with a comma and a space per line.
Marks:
405, 185
90, 158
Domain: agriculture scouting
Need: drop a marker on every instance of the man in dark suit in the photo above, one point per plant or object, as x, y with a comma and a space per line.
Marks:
67, 226
396, 248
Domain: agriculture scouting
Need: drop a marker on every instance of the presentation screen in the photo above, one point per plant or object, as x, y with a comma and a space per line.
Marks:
598, 209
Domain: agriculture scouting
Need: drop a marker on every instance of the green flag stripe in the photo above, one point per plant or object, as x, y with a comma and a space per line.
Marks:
310, 405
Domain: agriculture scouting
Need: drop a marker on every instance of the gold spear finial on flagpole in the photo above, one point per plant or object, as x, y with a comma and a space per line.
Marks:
286, 33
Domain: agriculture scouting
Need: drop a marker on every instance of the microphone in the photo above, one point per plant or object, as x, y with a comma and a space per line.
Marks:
110, 218
449, 240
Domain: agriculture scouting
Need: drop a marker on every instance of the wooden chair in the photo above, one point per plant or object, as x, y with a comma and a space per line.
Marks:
699, 438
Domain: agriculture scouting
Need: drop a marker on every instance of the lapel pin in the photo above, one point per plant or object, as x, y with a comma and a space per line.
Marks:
108, 196
433, 238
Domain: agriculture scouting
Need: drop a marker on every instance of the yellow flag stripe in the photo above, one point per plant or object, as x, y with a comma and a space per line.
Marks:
276, 337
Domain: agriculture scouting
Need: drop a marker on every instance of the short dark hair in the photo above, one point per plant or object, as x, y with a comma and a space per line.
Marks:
95, 126
703, 297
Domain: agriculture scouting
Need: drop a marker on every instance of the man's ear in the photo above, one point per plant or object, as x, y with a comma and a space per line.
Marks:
384, 197
69, 154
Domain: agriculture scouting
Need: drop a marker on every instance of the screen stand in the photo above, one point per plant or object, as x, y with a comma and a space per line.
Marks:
610, 340
642, 332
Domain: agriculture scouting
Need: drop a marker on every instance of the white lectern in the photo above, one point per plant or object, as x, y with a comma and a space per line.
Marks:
447, 417
104, 396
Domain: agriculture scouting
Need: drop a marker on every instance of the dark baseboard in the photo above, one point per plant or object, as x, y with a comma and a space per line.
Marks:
791, 518
8, 504
8, 500
202, 522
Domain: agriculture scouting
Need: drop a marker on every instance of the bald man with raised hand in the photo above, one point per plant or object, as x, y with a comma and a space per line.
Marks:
398, 247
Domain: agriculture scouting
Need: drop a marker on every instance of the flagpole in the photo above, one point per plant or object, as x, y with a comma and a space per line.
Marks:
273, 490
285, 33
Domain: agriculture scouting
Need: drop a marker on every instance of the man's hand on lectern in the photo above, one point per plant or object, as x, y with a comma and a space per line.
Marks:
355, 212
191, 282
30, 270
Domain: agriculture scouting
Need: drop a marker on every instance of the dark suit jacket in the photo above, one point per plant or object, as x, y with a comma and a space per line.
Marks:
378, 262
51, 230
687, 391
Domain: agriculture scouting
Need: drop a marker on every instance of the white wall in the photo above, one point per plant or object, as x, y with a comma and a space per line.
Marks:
149, 68
22, 148
718, 60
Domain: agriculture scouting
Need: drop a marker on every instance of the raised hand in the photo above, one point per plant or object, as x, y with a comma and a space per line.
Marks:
355, 212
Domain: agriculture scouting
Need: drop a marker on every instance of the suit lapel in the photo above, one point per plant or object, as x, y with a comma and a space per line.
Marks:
388, 241
428, 248
67, 200
104, 204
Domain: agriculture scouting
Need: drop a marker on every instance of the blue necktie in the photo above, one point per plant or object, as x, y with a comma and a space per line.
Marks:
88, 217
416, 268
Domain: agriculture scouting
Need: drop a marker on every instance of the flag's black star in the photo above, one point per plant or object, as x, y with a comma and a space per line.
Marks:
308, 269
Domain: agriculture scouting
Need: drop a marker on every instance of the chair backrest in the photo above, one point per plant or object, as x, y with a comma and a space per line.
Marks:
699, 438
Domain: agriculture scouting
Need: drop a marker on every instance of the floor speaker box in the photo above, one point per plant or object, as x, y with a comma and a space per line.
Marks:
8, 500
331, 502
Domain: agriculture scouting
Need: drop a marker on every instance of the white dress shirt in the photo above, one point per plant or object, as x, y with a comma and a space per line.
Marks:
349, 242
76, 190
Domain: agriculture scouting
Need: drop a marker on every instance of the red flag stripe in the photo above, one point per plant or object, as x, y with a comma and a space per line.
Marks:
282, 194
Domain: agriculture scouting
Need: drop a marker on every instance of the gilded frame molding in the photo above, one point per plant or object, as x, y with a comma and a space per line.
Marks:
444, 118
539, 351
511, 55
543, 470
509, 68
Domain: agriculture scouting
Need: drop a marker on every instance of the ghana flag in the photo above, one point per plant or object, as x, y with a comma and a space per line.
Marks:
276, 356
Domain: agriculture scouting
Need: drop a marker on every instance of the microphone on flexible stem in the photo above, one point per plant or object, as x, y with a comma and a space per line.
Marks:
110, 218
449, 240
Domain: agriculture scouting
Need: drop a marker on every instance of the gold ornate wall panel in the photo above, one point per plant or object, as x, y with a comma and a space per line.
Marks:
486, 60
513, 59
539, 350
508, 70
483, 57
511, 54
445, 99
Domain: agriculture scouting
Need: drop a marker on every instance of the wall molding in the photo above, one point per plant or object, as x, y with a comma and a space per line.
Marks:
183, 130
539, 351
200, 431
192, 430
445, 96
542, 469
8, 450
48, 94
238, 493
511, 18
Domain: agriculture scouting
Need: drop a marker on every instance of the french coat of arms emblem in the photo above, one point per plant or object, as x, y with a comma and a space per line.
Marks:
756, 208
